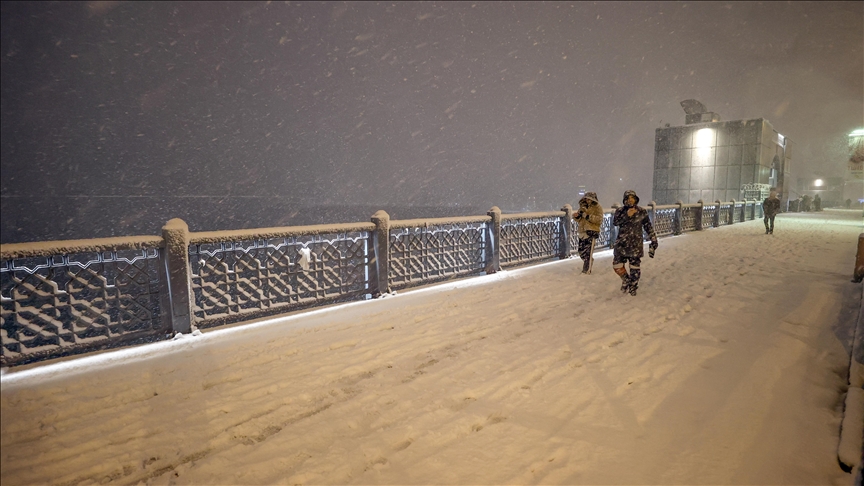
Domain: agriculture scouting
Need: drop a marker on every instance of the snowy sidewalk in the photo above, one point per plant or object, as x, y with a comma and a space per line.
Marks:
728, 367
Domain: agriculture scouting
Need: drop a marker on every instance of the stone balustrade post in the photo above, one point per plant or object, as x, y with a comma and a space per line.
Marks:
679, 218
379, 265
566, 230
732, 213
177, 285
493, 241
716, 222
698, 215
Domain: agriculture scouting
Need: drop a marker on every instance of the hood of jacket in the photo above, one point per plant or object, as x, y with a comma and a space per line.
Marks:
590, 197
627, 194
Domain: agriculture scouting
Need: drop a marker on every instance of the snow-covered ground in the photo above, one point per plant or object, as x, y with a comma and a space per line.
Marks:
728, 367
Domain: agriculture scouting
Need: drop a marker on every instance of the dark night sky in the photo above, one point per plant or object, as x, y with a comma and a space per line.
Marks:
139, 112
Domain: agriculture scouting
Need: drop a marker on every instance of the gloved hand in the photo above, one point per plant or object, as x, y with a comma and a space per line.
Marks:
651, 249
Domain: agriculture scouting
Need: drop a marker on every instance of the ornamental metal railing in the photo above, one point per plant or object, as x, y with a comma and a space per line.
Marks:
257, 273
426, 251
531, 237
69, 297
65, 298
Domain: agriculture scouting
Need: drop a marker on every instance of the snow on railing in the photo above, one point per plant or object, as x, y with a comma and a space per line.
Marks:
68, 297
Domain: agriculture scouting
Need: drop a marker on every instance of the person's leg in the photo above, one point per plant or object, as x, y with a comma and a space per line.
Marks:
589, 262
772, 225
635, 273
583, 253
765, 219
618, 266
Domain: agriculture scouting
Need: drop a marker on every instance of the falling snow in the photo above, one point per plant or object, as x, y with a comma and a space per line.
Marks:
119, 116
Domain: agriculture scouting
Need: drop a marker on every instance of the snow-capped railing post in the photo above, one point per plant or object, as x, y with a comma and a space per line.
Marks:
566, 228
732, 212
379, 264
716, 222
177, 285
493, 241
613, 230
679, 218
698, 215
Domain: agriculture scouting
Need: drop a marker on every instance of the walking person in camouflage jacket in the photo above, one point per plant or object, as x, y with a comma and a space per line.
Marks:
631, 220
589, 218
770, 208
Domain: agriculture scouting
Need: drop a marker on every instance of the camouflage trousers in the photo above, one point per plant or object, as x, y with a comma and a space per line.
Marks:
618, 262
586, 250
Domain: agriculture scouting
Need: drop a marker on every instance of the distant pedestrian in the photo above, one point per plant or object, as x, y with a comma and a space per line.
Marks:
631, 220
817, 203
848, 203
806, 202
770, 208
589, 217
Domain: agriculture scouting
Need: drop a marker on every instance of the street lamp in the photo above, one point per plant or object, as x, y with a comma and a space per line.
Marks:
818, 182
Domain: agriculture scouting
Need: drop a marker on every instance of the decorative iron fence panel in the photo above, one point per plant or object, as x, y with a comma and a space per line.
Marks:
70, 303
574, 236
434, 252
605, 239
758, 209
529, 239
665, 222
725, 214
688, 218
237, 280
708, 213
738, 213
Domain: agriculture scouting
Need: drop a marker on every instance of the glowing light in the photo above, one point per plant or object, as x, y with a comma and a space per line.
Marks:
702, 142
704, 137
818, 183
857, 133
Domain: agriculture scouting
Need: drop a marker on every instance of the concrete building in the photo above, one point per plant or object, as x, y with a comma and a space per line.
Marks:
712, 160
853, 184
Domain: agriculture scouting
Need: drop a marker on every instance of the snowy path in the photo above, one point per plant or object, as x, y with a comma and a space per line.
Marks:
728, 367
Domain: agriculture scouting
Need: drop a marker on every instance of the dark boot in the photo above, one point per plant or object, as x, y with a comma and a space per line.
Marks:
635, 273
625, 279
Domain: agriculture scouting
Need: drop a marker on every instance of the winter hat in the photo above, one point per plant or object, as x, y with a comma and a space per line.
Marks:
629, 193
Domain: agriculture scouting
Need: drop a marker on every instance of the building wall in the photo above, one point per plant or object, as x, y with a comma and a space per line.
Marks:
712, 161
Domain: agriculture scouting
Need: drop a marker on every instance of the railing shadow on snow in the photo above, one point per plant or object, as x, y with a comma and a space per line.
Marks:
61, 298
